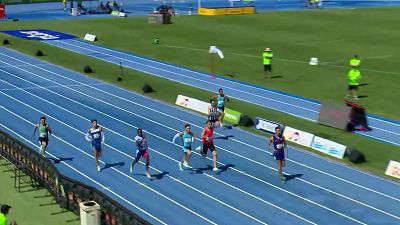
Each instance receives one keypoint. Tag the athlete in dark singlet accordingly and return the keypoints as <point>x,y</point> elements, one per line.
<point>279,150</point>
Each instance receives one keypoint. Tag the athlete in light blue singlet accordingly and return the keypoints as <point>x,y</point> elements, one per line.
<point>187,140</point>
<point>221,98</point>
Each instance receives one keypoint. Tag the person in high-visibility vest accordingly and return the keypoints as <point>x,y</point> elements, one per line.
<point>355,61</point>
<point>5,209</point>
<point>353,80</point>
<point>267,58</point>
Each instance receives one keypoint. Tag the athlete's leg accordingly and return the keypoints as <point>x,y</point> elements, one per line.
<point>204,150</point>
<point>180,163</point>
<point>188,153</point>
<point>214,154</point>
<point>96,156</point>
<point>43,146</point>
<point>221,118</point>
<point>147,158</point>
<point>279,164</point>
<point>135,160</point>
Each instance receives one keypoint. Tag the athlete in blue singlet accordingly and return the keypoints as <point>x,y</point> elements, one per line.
<point>187,140</point>
<point>221,98</point>
<point>96,137</point>
<point>279,150</point>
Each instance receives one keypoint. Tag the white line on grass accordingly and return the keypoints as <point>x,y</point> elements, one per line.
<point>363,58</point>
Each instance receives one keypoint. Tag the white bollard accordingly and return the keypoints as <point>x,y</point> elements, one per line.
<point>313,61</point>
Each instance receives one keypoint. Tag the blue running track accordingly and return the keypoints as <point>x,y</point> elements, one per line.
<point>382,129</point>
<point>245,191</point>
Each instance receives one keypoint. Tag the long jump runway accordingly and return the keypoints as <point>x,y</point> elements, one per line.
<point>245,191</point>
<point>382,129</point>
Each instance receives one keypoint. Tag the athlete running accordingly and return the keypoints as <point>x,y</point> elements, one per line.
<point>221,98</point>
<point>141,151</point>
<point>278,140</point>
<point>96,137</point>
<point>208,143</point>
<point>187,140</point>
<point>44,132</point>
<point>213,113</point>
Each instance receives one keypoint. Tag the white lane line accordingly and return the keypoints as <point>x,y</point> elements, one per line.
<point>288,96</point>
<point>87,177</point>
<point>254,147</point>
<point>23,65</point>
<point>147,108</point>
<point>185,76</point>
<point>294,161</point>
<point>147,72</point>
<point>191,71</point>
<point>221,148</point>
<point>136,181</point>
<point>225,204</point>
<point>108,129</point>
<point>51,86</point>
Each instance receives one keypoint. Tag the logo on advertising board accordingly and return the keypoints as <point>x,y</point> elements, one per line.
<point>39,34</point>
<point>266,125</point>
<point>393,169</point>
<point>298,136</point>
<point>328,147</point>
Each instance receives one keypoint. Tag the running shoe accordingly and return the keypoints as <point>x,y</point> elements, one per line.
<point>148,175</point>
<point>180,166</point>
<point>282,178</point>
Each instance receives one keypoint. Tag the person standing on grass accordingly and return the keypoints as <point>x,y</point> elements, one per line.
<point>4,210</point>
<point>355,62</point>
<point>267,57</point>
<point>353,81</point>
<point>279,142</point>
<point>187,140</point>
<point>96,137</point>
<point>221,97</point>
<point>213,113</point>
<point>208,143</point>
<point>44,132</point>
<point>141,151</point>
